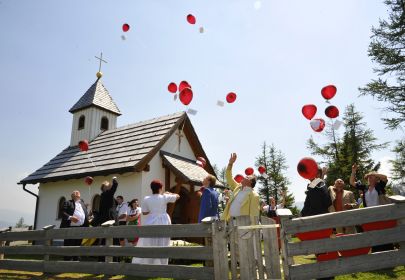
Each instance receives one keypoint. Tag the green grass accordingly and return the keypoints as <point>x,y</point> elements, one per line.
<point>22,275</point>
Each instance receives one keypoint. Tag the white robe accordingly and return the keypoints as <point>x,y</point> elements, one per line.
<point>156,205</point>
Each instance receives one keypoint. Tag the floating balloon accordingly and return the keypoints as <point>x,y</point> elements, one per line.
<point>317,125</point>
<point>220,103</point>
<point>125,27</point>
<point>238,178</point>
<point>186,95</point>
<point>172,87</point>
<point>201,162</point>
<point>309,111</point>
<point>332,112</point>
<point>337,124</point>
<point>249,171</point>
<point>191,19</point>
<point>84,145</point>
<point>183,85</point>
<point>231,97</point>
<point>328,92</point>
<point>307,168</point>
<point>261,169</point>
<point>89,180</point>
<point>192,111</point>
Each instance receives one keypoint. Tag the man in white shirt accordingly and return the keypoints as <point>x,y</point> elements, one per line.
<point>74,215</point>
<point>122,213</point>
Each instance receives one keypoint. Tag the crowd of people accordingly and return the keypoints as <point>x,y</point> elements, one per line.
<point>241,200</point>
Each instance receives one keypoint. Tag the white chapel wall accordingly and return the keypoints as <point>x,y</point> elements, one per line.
<point>50,193</point>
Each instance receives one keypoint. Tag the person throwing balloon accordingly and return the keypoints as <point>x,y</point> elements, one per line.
<point>244,201</point>
<point>318,198</point>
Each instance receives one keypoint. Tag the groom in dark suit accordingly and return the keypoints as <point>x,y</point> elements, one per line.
<point>74,215</point>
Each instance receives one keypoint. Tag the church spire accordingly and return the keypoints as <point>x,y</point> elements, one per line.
<point>95,111</point>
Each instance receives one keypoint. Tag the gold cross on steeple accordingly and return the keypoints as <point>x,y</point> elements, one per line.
<point>99,73</point>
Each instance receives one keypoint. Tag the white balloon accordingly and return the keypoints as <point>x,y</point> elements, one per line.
<point>201,29</point>
<point>220,103</point>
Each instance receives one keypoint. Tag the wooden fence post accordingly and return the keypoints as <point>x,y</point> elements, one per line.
<point>271,249</point>
<point>399,199</point>
<point>246,249</point>
<point>2,242</point>
<point>220,250</point>
<point>108,242</point>
<point>285,215</point>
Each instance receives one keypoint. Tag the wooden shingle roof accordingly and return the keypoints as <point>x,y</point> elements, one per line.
<point>97,95</point>
<point>119,150</point>
<point>187,169</point>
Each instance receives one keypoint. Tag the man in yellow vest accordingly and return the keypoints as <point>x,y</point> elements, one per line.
<point>244,200</point>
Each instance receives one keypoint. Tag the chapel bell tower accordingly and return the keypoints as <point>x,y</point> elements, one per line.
<point>94,113</point>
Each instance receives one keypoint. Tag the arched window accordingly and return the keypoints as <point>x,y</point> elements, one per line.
<point>81,122</point>
<point>104,123</point>
<point>95,204</point>
<point>60,207</point>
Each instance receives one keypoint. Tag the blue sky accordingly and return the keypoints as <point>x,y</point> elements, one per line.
<point>276,55</point>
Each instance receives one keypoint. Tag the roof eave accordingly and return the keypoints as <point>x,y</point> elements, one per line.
<point>78,175</point>
<point>94,105</point>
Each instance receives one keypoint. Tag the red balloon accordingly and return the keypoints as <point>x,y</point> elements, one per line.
<point>89,180</point>
<point>309,111</point>
<point>261,169</point>
<point>238,178</point>
<point>125,27</point>
<point>172,87</point>
<point>249,171</point>
<point>191,19</point>
<point>328,92</point>
<point>307,168</point>
<point>317,125</point>
<point>231,97</point>
<point>183,85</point>
<point>332,112</point>
<point>201,162</point>
<point>186,95</point>
<point>84,145</point>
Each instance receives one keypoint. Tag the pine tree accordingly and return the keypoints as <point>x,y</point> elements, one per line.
<point>275,182</point>
<point>20,223</point>
<point>398,164</point>
<point>387,49</point>
<point>355,146</point>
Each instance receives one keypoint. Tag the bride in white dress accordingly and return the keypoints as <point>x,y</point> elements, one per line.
<point>154,207</point>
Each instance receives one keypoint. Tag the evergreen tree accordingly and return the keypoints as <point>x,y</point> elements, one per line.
<point>387,50</point>
<point>355,146</point>
<point>20,223</point>
<point>275,182</point>
<point>398,164</point>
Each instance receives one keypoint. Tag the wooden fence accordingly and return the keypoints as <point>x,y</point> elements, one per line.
<point>391,216</point>
<point>253,254</point>
<point>215,253</point>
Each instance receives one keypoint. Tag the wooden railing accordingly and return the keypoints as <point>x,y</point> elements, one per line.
<point>344,265</point>
<point>216,253</point>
